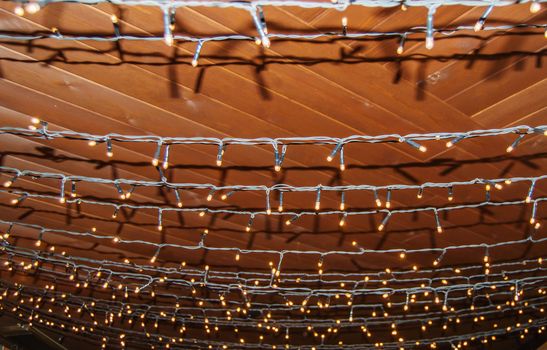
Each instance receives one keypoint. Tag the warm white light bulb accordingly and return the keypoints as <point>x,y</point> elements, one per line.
<point>19,10</point>
<point>535,7</point>
<point>429,43</point>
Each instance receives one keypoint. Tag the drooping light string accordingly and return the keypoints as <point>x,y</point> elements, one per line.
<point>438,221</point>
<point>177,196</point>
<point>120,190</point>
<point>10,182</point>
<point>414,144</point>
<point>220,153</point>
<point>165,162</point>
<point>342,200</point>
<point>515,143</point>
<point>318,198</point>
<point>401,47</point>
<point>196,53</point>
<point>268,204</point>
<point>264,40</point>
<point>530,194</point>
<point>410,139</point>
<point>109,152</point>
<point>430,30</point>
<point>62,198</point>
<point>280,205</point>
<point>167,32</point>
<point>480,23</point>
<point>262,19</point>
<point>279,157</point>
<point>116,25</point>
<point>250,223</point>
<point>156,158</point>
<point>384,222</point>
<point>455,140</point>
<point>160,224</point>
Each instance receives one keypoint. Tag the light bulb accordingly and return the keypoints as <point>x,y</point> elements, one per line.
<point>168,39</point>
<point>535,7</point>
<point>429,43</point>
<point>34,7</point>
<point>19,10</point>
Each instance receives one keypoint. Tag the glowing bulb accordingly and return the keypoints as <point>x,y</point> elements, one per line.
<point>381,227</point>
<point>168,38</point>
<point>400,50</point>
<point>439,229</point>
<point>34,7</point>
<point>155,162</point>
<point>422,149</point>
<point>378,202</point>
<point>478,26</point>
<point>219,162</point>
<point>429,43</point>
<point>535,7</point>
<point>317,205</point>
<point>344,21</point>
<point>194,63</point>
<point>8,183</point>
<point>92,143</point>
<point>19,10</point>
<point>277,167</point>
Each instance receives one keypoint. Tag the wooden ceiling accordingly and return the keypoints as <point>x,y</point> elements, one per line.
<point>294,88</point>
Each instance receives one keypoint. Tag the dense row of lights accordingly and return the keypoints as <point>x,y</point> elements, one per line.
<point>341,294</point>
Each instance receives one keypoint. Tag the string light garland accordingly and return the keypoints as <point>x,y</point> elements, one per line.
<point>160,210</point>
<point>359,251</point>
<point>15,174</point>
<point>265,306</point>
<point>255,10</point>
<point>40,129</point>
<point>90,329</point>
